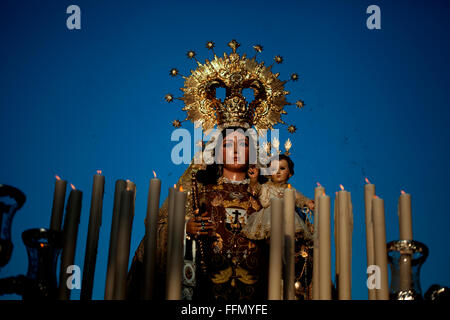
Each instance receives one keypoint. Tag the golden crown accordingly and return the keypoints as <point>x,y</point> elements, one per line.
<point>234,73</point>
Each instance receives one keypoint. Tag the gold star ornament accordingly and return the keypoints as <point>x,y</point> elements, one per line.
<point>168,97</point>
<point>278,59</point>
<point>173,72</point>
<point>176,123</point>
<point>292,128</point>
<point>258,48</point>
<point>300,104</point>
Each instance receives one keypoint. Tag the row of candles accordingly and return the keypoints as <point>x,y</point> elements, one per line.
<point>120,236</point>
<point>282,236</point>
<point>375,242</point>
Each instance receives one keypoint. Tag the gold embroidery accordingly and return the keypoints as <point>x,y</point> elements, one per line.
<point>217,201</point>
<point>223,276</point>
<point>236,203</point>
<point>243,276</point>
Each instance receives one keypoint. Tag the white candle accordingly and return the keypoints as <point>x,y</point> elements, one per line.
<point>95,221</point>
<point>405,222</point>
<point>380,247</point>
<point>405,219</point>
<point>154,192</point>
<point>369,193</point>
<point>325,248</point>
<point>276,245</point>
<point>318,191</point>
<point>345,246</point>
<point>126,217</point>
<point>289,242</point>
<point>59,198</point>
<point>175,265</point>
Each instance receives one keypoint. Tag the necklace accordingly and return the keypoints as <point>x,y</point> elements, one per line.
<point>223,180</point>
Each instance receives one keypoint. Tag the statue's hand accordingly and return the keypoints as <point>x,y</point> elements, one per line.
<point>253,174</point>
<point>200,226</point>
<point>310,205</point>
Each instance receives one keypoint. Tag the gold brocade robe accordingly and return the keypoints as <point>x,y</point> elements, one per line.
<point>236,267</point>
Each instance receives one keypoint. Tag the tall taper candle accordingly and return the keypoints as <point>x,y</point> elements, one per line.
<point>276,245</point>
<point>70,233</point>
<point>95,221</point>
<point>336,239</point>
<point>405,222</point>
<point>111,268</point>
<point>150,237</point>
<point>345,259</point>
<point>123,243</point>
<point>380,247</point>
<point>325,248</point>
<point>175,267</point>
<point>369,193</point>
<point>289,243</point>
<point>59,198</point>
<point>405,219</point>
<point>318,191</point>
<point>169,233</point>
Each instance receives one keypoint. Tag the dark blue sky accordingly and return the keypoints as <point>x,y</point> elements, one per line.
<point>377,105</point>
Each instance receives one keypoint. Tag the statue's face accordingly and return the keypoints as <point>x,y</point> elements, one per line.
<point>282,174</point>
<point>235,151</point>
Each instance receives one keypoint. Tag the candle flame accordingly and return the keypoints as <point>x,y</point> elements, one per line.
<point>367,181</point>
<point>42,245</point>
<point>402,192</point>
<point>342,187</point>
<point>131,186</point>
<point>57,177</point>
<point>99,171</point>
<point>289,186</point>
<point>181,188</point>
<point>73,187</point>
<point>318,184</point>
<point>154,173</point>
<point>175,185</point>
<point>375,197</point>
<point>324,194</point>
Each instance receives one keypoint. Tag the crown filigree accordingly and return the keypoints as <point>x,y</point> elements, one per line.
<point>234,73</point>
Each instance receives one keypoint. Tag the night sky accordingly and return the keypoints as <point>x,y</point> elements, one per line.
<point>376,105</point>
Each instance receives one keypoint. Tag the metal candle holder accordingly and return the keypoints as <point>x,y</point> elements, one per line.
<point>406,258</point>
<point>11,200</point>
<point>43,247</point>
